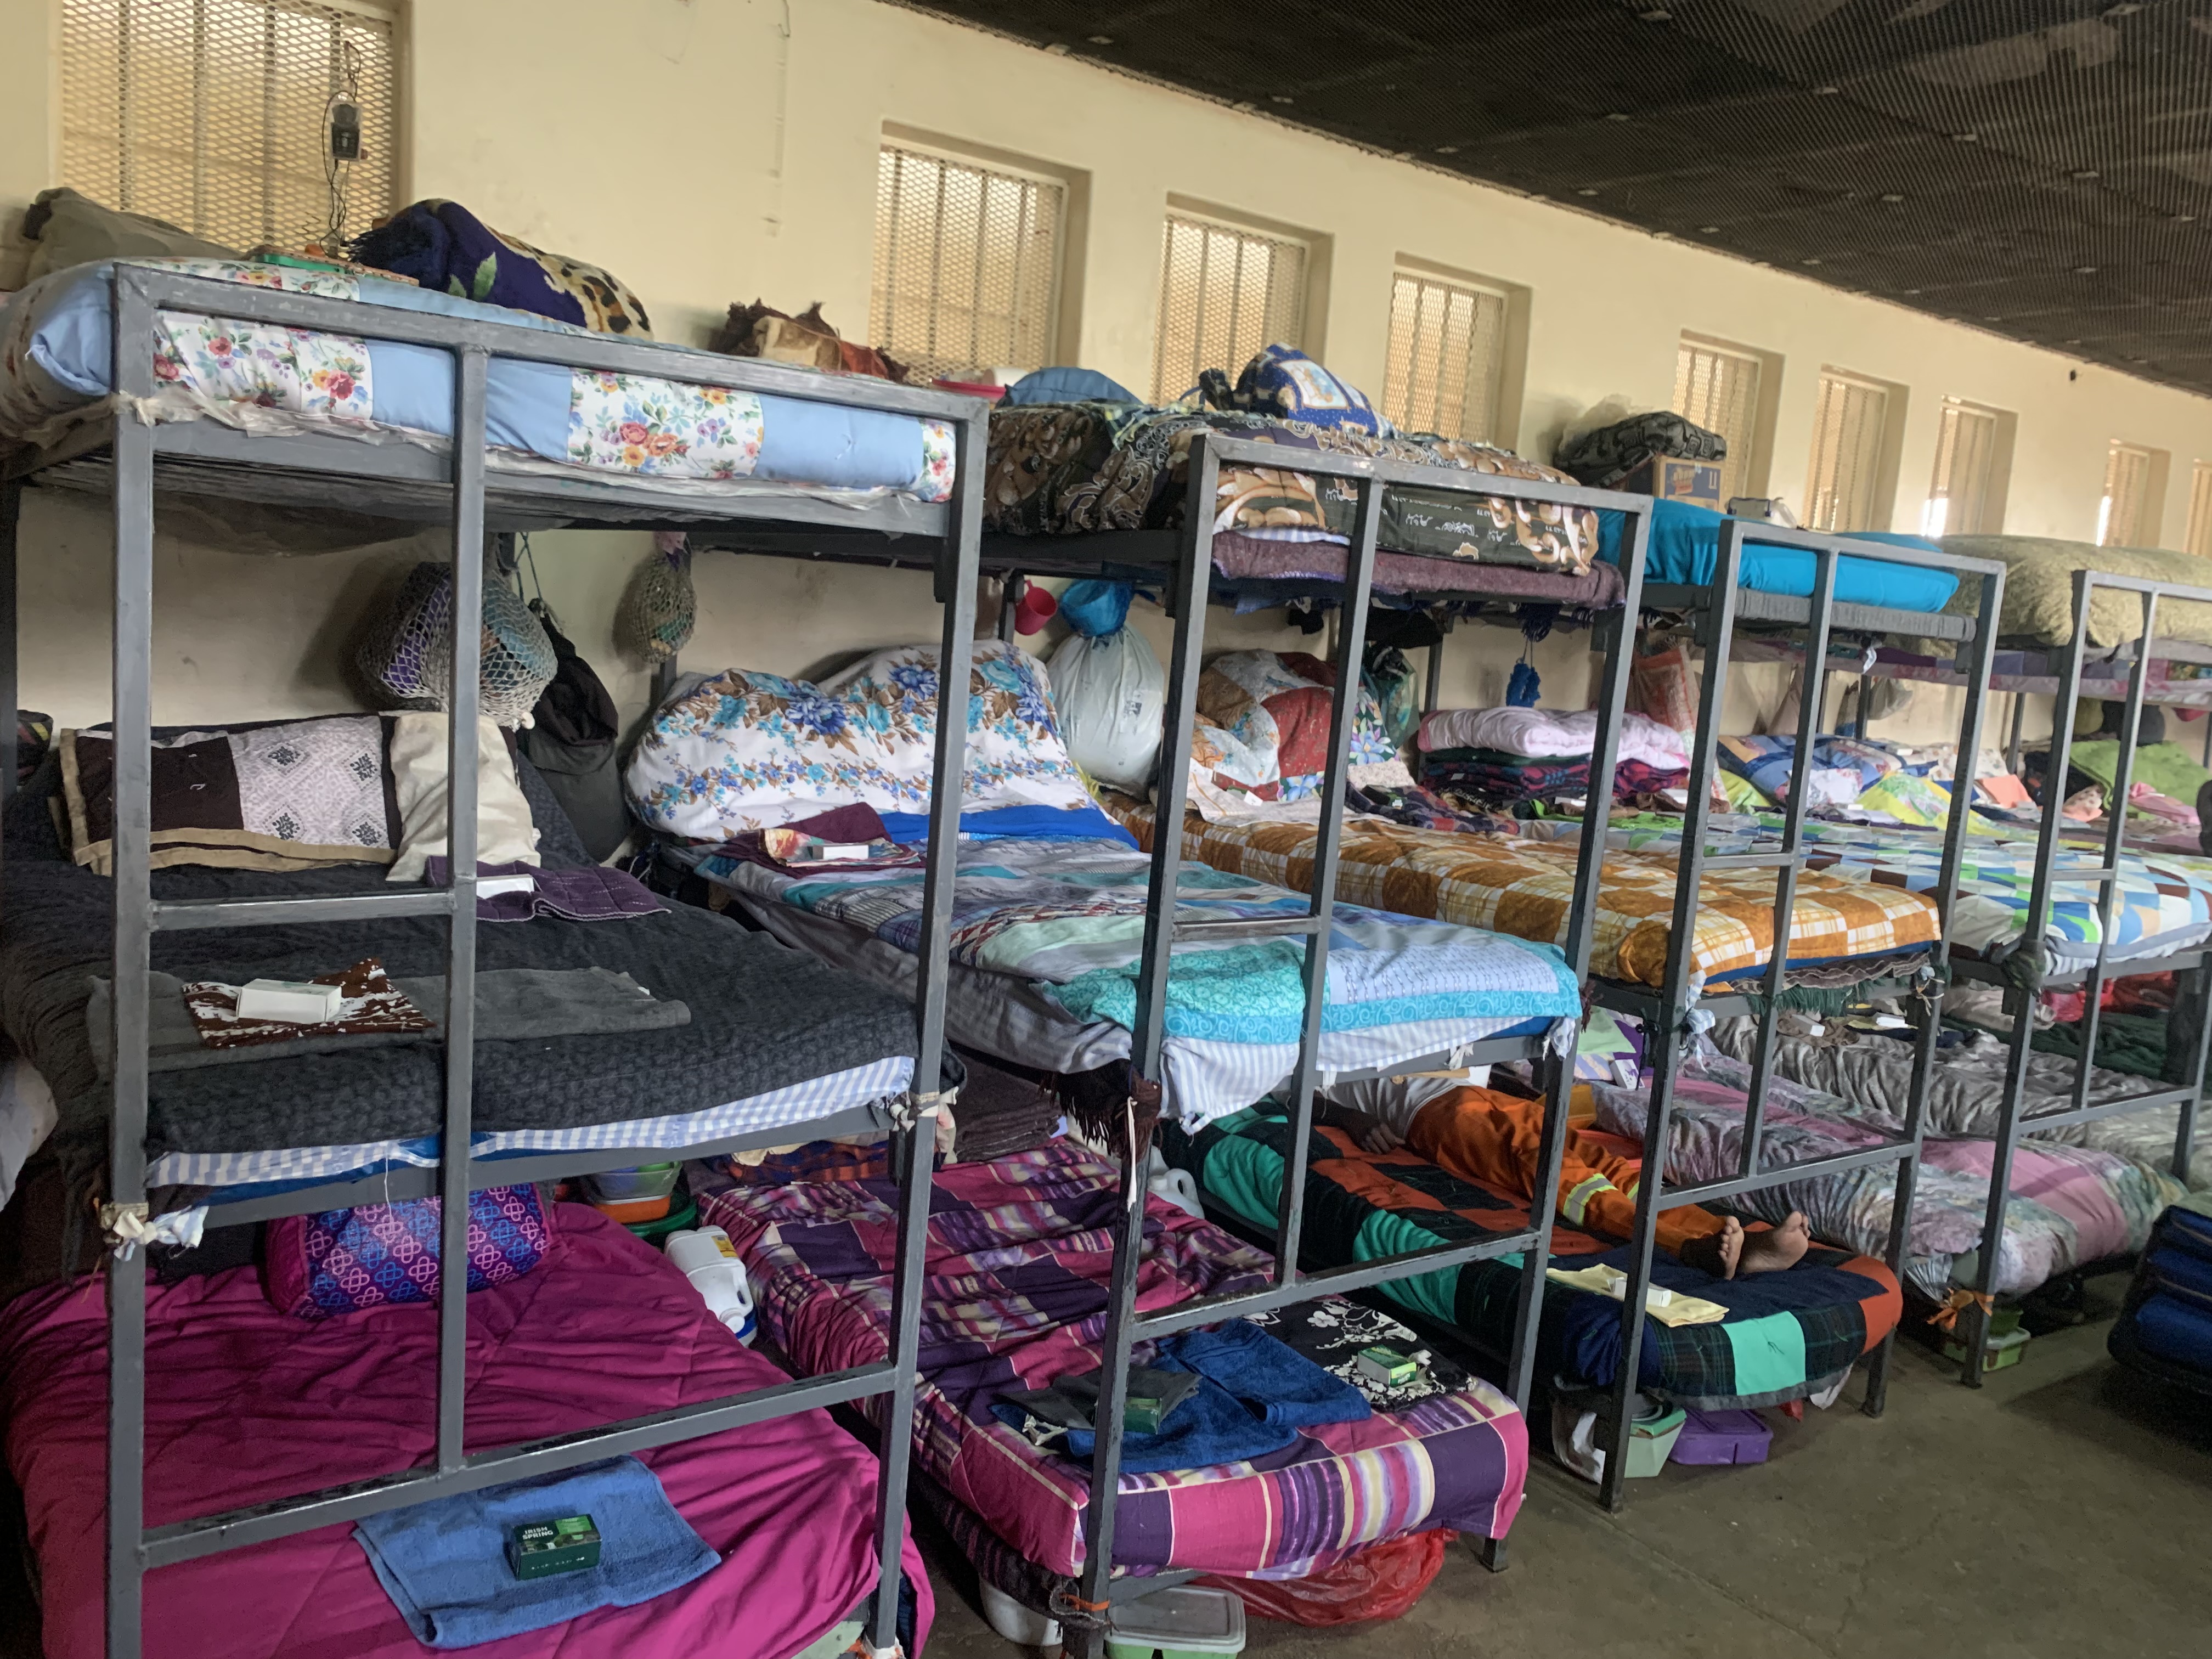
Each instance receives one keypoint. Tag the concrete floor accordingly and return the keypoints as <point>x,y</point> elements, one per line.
<point>2064,1509</point>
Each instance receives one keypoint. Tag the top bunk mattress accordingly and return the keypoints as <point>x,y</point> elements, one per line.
<point>1685,549</point>
<point>2038,596</point>
<point>57,347</point>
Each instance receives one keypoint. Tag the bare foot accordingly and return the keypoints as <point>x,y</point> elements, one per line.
<point>1777,1247</point>
<point>1716,1253</point>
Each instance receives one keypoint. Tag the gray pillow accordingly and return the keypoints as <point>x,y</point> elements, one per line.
<point>67,229</point>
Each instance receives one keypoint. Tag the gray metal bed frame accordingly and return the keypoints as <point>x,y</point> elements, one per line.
<point>1716,611</point>
<point>2015,1123</point>
<point>205,456</point>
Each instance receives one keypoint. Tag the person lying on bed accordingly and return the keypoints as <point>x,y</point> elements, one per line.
<point>1480,1134</point>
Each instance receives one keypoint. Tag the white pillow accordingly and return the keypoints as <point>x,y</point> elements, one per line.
<point>505,834</point>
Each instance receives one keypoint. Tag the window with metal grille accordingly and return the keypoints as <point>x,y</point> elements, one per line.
<point>1961,501</point>
<point>215,114</point>
<point>967,264</point>
<point>1224,293</point>
<point>1848,426</point>
<point>2120,515</point>
<point>1446,366</point>
<point>1717,388</point>
<point>2200,510</point>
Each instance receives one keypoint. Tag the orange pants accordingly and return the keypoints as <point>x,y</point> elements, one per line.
<point>1480,1134</point>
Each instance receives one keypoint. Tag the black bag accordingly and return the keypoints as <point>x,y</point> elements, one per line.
<point>572,740</point>
<point>1603,458</point>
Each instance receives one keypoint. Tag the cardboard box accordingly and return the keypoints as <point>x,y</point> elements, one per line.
<point>1673,479</point>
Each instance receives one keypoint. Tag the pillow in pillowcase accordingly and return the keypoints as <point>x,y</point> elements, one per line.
<point>505,831</point>
<point>342,1261</point>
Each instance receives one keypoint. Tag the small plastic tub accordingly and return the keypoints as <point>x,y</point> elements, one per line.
<point>1185,1622</point>
<point>1722,1436</point>
<point>1017,1623</point>
<point>625,1186</point>
<point>632,1210</point>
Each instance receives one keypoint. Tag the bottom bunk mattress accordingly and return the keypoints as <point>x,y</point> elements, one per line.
<point>2070,1205</point>
<point>1045,941</point>
<point>1786,1335</point>
<point>248,1404</point>
<point>1019,1257</point>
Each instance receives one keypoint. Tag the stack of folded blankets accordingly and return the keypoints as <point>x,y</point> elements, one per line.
<point>1504,757</point>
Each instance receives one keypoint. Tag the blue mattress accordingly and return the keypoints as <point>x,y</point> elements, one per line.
<point>67,335</point>
<point>1685,546</point>
<point>2167,1325</point>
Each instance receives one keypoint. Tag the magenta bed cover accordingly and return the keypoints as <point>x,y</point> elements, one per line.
<point>1019,1257</point>
<point>245,1404</point>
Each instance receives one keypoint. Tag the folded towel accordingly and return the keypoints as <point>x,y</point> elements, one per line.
<point>590,892</point>
<point>1267,1376</point>
<point>444,1563</point>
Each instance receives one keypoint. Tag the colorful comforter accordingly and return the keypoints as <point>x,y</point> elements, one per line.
<point>2070,1205</point>
<point>248,1404</point>
<point>1525,888</point>
<point>56,346</point>
<point>1786,1334</point>
<point>1015,1297</point>
<point>1068,468</point>
<point>2163,901</point>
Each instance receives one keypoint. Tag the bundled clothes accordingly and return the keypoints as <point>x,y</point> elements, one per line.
<point>441,244</point>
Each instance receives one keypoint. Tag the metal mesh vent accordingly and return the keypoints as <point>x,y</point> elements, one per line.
<point>1847,433</point>
<point>1447,357</point>
<point>1958,501</point>
<point>2127,490</point>
<point>967,265</point>
<point>213,114</point>
<point>1718,390</point>
<point>2200,510</point>
<point>1224,293</point>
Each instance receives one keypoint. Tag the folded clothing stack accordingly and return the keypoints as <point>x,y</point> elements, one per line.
<point>1510,756</point>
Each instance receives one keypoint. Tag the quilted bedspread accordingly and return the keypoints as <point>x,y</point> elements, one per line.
<point>1526,888</point>
<point>1019,1257</point>
<point>2039,592</point>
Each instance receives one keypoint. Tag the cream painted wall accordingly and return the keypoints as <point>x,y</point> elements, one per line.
<point>711,151</point>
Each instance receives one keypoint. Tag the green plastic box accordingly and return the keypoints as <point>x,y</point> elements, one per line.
<point>540,1547</point>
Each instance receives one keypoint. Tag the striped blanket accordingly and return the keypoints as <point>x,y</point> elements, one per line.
<point>1786,1333</point>
<point>1526,887</point>
<point>1020,1256</point>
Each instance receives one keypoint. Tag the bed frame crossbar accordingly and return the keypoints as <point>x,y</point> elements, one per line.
<point>136,447</point>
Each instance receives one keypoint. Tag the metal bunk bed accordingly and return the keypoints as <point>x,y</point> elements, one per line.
<point>1716,611</point>
<point>2015,1123</point>
<point>130,461</point>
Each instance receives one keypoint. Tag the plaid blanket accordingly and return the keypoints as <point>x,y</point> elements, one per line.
<point>1019,1258</point>
<point>1785,1335</point>
<point>1526,887</point>
<point>2163,901</point>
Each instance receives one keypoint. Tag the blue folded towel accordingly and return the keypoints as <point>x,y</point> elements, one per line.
<point>1269,1378</point>
<point>444,1563</point>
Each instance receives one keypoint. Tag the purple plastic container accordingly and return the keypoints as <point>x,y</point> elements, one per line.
<point>1724,1436</point>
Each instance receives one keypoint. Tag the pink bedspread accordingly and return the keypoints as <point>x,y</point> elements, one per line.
<point>245,1405</point>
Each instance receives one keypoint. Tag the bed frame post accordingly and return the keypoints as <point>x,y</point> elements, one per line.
<point>1974,1321</point>
<point>1664,1044</point>
<point>1148,1040</point>
<point>11,517</point>
<point>471,367</point>
<point>1432,682</point>
<point>133,736</point>
<point>915,1145</point>
<point>1930,1014</point>
<point>1010,595</point>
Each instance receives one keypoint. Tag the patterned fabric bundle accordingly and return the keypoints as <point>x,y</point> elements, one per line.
<point>1784,1335</point>
<point>1263,728</point>
<point>1017,1298</point>
<point>342,1261</point>
<point>407,655</point>
<point>1283,381</point>
<point>1769,762</point>
<point>372,1006</point>
<point>443,246</point>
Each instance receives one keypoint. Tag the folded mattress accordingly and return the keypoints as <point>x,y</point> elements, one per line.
<point>248,1404</point>
<point>1526,888</point>
<point>1686,546</point>
<point>56,343</point>
<point>1060,924</point>
<point>1018,1266</point>
<point>2070,1205</point>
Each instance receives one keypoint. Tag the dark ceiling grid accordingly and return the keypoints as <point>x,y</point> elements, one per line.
<point>2041,169</point>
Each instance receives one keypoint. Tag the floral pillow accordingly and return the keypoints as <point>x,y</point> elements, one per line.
<point>755,751</point>
<point>1263,729</point>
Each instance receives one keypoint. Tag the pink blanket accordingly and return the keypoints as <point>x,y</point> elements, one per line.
<point>245,1405</point>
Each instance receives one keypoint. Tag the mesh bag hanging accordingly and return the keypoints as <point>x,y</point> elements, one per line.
<point>407,653</point>
<point>659,607</point>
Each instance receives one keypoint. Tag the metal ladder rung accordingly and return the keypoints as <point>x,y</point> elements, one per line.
<point>2109,874</point>
<point>1755,861</point>
<point>1248,927</point>
<point>175,915</point>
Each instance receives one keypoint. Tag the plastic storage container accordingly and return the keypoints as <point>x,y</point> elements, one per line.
<point>629,1185</point>
<point>710,1261</point>
<point>1016,1622</point>
<point>1183,1623</point>
<point>1722,1436</point>
<point>1651,1440</point>
<point>1998,1352</point>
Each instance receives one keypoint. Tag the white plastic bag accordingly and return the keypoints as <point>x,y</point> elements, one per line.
<point>1110,693</point>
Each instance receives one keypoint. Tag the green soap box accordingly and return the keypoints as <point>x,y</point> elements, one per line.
<point>1387,1365</point>
<point>539,1548</point>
